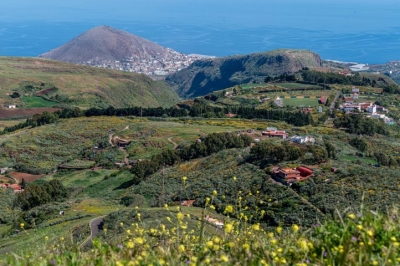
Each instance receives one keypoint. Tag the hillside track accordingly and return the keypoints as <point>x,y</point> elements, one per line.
<point>94,229</point>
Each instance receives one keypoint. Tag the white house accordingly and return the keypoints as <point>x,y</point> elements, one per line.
<point>351,107</point>
<point>302,139</point>
<point>355,90</point>
<point>372,109</point>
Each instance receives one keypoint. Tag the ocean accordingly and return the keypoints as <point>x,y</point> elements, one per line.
<point>360,31</point>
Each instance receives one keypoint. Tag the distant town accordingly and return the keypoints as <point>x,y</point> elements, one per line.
<point>162,65</point>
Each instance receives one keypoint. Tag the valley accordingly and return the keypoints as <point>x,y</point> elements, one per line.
<point>213,177</point>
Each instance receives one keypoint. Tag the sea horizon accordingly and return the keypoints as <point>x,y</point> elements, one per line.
<point>350,32</point>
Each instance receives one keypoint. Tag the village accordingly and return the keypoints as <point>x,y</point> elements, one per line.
<point>157,66</point>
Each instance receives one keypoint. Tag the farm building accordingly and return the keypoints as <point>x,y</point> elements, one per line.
<point>351,107</point>
<point>187,203</point>
<point>322,100</point>
<point>273,132</point>
<point>348,99</point>
<point>17,188</point>
<point>291,175</point>
<point>214,221</point>
<point>11,106</point>
<point>3,170</point>
<point>302,139</point>
<point>230,115</point>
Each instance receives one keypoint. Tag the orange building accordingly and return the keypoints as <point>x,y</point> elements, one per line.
<point>292,175</point>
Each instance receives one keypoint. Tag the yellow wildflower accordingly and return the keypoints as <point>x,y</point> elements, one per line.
<point>295,227</point>
<point>229,209</point>
<point>130,244</point>
<point>256,227</point>
<point>139,240</point>
<point>351,216</point>
<point>224,258</point>
<point>228,227</point>
<point>179,215</point>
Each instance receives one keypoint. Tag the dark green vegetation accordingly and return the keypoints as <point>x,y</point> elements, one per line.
<point>112,160</point>
<point>71,85</point>
<point>205,76</point>
<point>196,110</point>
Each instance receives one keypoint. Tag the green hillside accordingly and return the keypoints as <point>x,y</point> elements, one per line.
<point>205,76</point>
<point>133,172</point>
<point>63,84</point>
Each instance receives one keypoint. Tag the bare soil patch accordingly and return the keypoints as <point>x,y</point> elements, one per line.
<point>28,177</point>
<point>44,92</point>
<point>19,113</point>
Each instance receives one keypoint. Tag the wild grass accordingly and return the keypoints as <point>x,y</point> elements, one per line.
<point>32,102</point>
<point>85,86</point>
<point>355,237</point>
<point>300,102</point>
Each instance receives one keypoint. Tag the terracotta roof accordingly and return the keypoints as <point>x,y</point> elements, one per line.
<point>187,203</point>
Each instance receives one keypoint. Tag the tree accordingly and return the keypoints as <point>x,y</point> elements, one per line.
<point>319,153</point>
<point>15,95</point>
<point>330,149</point>
<point>359,143</point>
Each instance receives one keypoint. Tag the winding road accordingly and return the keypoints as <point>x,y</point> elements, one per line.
<point>94,226</point>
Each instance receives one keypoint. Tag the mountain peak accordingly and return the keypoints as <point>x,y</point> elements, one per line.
<point>105,43</point>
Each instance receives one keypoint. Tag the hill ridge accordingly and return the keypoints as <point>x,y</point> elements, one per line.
<point>205,76</point>
<point>104,43</point>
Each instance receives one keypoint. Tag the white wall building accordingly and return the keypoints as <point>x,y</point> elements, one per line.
<point>302,139</point>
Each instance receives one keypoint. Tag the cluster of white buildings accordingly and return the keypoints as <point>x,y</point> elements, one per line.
<point>351,104</point>
<point>160,65</point>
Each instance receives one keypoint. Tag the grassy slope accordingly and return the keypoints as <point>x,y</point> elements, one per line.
<point>86,86</point>
<point>44,148</point>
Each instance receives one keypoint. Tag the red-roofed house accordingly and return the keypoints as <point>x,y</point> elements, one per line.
<point>187,203</point>
<point>322,100</point>
<point>273,132</point>
<point>230,115</point>
<point>292,175</point>
<point>17,188</point>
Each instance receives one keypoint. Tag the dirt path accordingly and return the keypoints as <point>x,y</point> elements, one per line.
<point>175,145</point>
<point>110,139</point>
<point>126,160</point>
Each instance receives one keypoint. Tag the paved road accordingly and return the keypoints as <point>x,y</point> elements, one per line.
<point>94,226</point>
<point>332,107</point>
<point>94,229</point>
<point>338,93</point>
